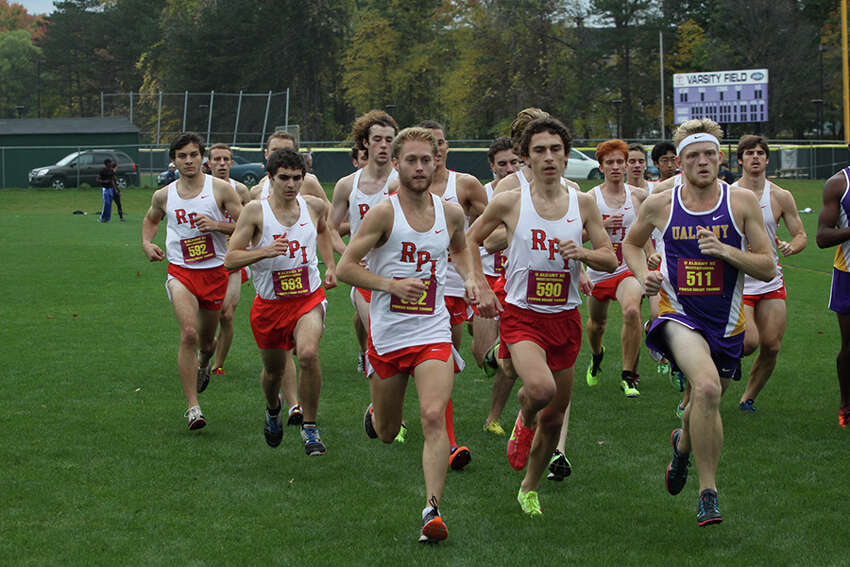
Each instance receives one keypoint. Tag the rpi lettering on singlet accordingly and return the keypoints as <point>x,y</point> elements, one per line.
<point>539,242</point>
<point>364,208</point>
<point>420,258</point>
<point>182,217</point>
<point>690,232</point>
<point>613,231</point>
<point>294,246</point>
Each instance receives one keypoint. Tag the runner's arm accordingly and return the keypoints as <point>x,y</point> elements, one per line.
<point>150,226</point>
<point>828,235</point>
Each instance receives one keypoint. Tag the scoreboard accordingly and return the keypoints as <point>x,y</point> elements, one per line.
<point>724,96</point>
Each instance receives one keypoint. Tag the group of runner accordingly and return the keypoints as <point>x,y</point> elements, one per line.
<point>431,249</point>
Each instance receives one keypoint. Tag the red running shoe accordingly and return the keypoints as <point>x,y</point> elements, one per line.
<point>519,445</point>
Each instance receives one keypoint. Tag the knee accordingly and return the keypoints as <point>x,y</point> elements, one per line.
<point>538,394</point>
<point>433,418</point>
<point>308,356</point>
<point>771,348</point>
<point>189,337</point>
<point>631,315</point>
<point>226,317</point>
<point>707,391</point>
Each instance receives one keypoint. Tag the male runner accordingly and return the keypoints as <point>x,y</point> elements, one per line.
<point>834,230</point>
<point>468,192</point>
<point>357,192</point>
<point>503,162</point>
<point>636,168</point>
<point>194,207</point>
<point>541,326</point>
<point>289,308</point>
<point>664,157</point>
<point>764,303</point>
<point>309,186</point>
<point>407,237</point>
<point>221,161</point>
<point>705,228</point>
<point>618,203</point>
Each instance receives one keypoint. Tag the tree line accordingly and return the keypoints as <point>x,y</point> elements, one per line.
<point>469,63</point>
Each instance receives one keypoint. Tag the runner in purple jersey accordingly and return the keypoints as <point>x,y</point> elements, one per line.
<point>700,326</point>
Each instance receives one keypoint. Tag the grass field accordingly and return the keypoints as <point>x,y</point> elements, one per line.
<point>98,467</point>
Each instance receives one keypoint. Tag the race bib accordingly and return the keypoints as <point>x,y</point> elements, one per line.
<point>198,248</point>
<point>618,251</point>
<point>291,283</point>
<point>422,306</point>
<point>499,262</point>
<point>699,276</point>
<point>547,288</point>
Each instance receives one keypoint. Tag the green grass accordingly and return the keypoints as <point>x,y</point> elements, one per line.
<point>98,467</point>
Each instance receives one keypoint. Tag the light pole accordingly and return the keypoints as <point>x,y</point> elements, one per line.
<point>617,102</point>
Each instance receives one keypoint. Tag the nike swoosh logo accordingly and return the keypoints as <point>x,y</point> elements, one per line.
<point>570,220</point>
<point>764,206</point>
<point>626,208</point>
<point>203,196</point>
<point>302,224</point>
<point>718,217</point>
<point>439,231</point>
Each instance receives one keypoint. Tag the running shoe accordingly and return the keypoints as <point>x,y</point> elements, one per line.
<point>677,380</point>
<point>273,429</point>
<point>313,445</point>
<point>595,368</point>
<point>748,406</point>
<point>679,411</point>
<point>519,445</point>
<point>559,467</point>
<point>677,471</point>
<point>629,388</point>
<point>367,423</point>
<point>844,417</point>
<point>529,503</point>
<point>203,378</point>
<point>494,427</point>
<point>433,530</point>
<point>296,415</point>
<point>218,371</point>
<point>401,437</point>
<point>707,512</point>
<point>195,418</point>
<point>490,364</point>
<point>459,458</point>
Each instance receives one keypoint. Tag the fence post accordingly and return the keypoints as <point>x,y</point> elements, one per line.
<point>101,105</point>
<point>3,157</point>
<point>158,117</point>
<point>185,106</point>
<point>131,107</point>
<point>236,126</point>
<point>286,118</point>
<point>265,120</point>
<point>209,119</point>
<point>79,149</point>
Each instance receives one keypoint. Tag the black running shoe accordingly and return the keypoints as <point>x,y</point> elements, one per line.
<point>559,467</point>
<point>313,445</point>
<point>677,471</point>
<point>707,512</point>
<point>273,428</point>
<point>203,378</point>
<point>490,365</point>
<point>367,424</point>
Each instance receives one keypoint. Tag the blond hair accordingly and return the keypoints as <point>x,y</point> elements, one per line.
<point>414,134</point>
<point>696,126</point>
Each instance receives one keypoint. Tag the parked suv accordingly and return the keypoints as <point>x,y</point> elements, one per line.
<point>84,166</point>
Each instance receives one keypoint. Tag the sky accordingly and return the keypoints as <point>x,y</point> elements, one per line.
<point>36,6</point>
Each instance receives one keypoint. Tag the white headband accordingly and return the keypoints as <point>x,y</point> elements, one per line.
<point>694,138</point>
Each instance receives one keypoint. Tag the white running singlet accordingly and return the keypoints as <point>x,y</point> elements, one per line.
<point>185,245</point>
